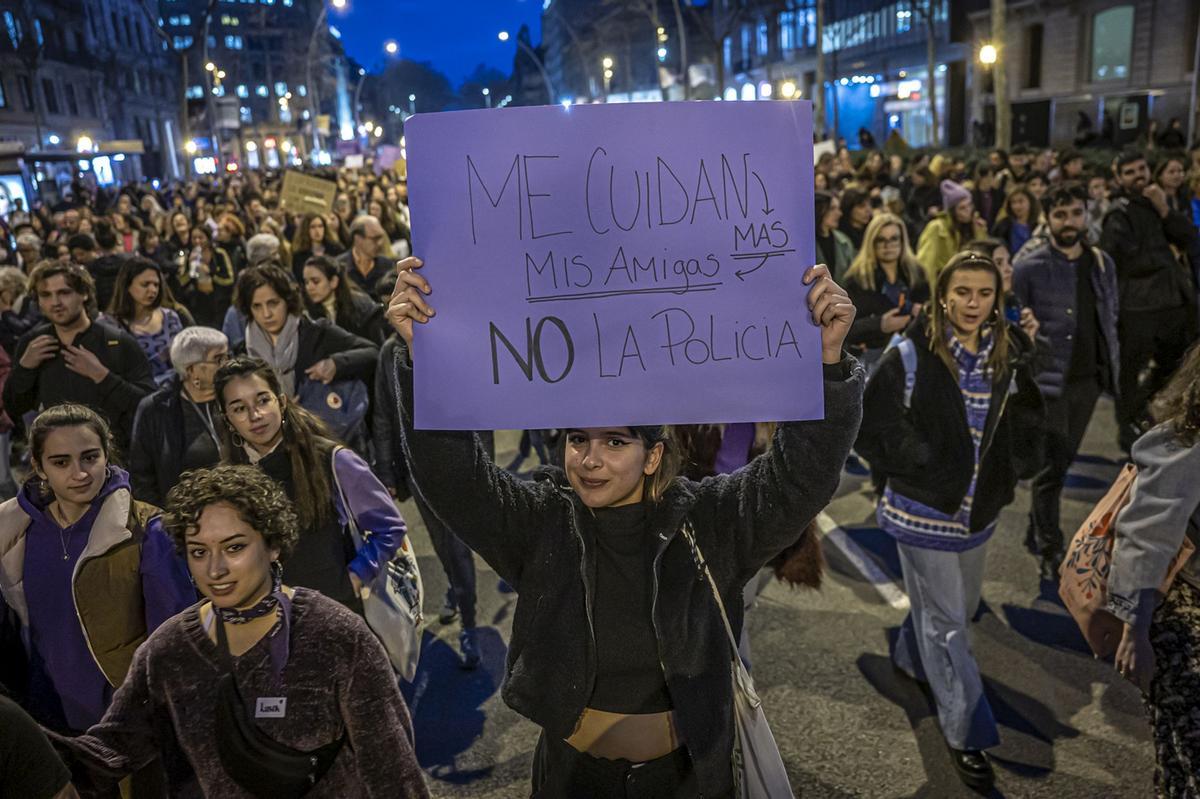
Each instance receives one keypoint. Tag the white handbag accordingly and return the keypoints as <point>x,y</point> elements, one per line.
<point>392,601</point>
<point>758,770</point>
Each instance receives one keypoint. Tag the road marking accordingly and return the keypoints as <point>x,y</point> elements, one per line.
<point>866,565</point>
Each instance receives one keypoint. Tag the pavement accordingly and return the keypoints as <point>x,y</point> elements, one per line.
<point>847,724</point>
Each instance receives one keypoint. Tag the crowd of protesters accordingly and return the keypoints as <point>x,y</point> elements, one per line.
<point>203,389</point>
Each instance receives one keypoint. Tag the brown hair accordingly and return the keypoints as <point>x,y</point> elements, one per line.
<point>1035,207</point>
<point>1178,404</point>
<point>669,466</point>
<point>258,500</point>
<point>308,442</point>
<point>76,276</point>
<point>121,307</point>
<point>938,320</point>
<point>302,240</point>
<point>68,414</point>
<point>268,274</point>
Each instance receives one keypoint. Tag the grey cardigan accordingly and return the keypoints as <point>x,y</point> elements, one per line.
<point>1164,506</point>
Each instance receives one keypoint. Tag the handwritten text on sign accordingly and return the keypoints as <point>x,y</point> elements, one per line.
<point>617,264</point>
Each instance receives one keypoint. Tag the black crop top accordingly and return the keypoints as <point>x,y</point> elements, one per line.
<point>629,676</point>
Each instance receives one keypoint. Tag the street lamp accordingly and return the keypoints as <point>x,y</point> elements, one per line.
<point>487,96</point>
<point>788,89</point>
<point>391,48</point>
<point>987,54</point>
<point>84,144</point>
<point>210,67</point>
<point>190,147</point>
<point>537,62</point>
<point>607,63</point>
<point>310,87</point>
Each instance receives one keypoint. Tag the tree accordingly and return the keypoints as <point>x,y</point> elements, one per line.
<point>649,10</point>
<point>715,23</point>
<point>199,31</point>
<point>404,78</point>
<point>1000,77</point>
<point>926,10</point>
<point>471,94</point>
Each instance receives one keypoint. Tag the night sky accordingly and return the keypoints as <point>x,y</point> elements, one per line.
<point>455,35</point>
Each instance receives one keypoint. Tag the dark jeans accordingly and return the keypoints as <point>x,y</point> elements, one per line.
<point>456,558</point>
<point>562,772</point>
<point>1067,418</point>
<point>1161,336</point>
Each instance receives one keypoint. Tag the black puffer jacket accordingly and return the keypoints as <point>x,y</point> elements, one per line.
<point>926,452</point>
<point>1150,276</point>
<point>533,536</point>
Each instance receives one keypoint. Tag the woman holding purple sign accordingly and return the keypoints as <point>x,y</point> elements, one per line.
<point>618,650</point>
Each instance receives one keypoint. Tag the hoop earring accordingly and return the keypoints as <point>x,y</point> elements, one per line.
<point>237,440</point>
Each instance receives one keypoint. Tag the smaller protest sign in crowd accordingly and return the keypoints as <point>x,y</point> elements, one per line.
<point>218,394</point>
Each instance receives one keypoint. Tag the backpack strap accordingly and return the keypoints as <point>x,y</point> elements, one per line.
<point>908,356</point>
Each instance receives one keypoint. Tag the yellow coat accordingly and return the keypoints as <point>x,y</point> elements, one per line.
<point>939,243</point>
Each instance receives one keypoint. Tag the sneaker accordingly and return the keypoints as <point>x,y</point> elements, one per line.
<point>469,648</point>
<point>449,611</point>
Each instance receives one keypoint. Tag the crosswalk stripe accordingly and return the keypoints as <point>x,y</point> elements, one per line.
<point>862,560</point>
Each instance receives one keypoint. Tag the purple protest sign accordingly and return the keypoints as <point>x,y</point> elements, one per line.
<point>615,265</point>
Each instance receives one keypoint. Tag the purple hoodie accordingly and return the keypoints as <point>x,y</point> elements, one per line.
<point>67,690</point>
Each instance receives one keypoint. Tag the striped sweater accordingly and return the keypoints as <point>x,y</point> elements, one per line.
<point>918,525</point>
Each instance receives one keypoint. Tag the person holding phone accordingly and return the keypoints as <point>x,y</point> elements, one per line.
<point>887,286</point>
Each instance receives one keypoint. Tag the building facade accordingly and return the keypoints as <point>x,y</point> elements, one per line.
<point>1093,71</point>
<point>876,58</point>
<point>78,72</point>
<point>262,78</point>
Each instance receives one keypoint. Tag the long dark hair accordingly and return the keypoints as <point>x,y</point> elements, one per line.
<point>343,295</point>
<point>822,200</point>
<point>1178,404</point>
<point>308,442</point>
<point>122,307</point>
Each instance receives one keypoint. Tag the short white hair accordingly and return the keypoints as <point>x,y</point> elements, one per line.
<point>192,345</point>
<point>262,247</point>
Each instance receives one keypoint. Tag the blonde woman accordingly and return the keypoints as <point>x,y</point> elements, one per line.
<point>887,286</point>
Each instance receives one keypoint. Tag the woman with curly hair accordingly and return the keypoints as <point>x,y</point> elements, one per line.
<point>255,666</point>
<point>1160,644</point>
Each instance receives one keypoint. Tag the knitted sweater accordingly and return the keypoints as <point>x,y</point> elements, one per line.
<point>336,679</point>
<point>916,524</point>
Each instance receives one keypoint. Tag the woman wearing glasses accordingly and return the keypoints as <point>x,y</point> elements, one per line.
<point>887,286</point>
<point>175,430</point>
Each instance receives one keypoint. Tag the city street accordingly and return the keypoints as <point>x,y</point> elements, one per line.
<point>847,724</point>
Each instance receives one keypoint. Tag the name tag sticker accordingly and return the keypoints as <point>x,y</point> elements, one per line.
<point>270,707</point>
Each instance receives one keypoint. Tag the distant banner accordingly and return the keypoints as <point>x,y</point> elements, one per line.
<point>305,194</point>
<point>615,265</point>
